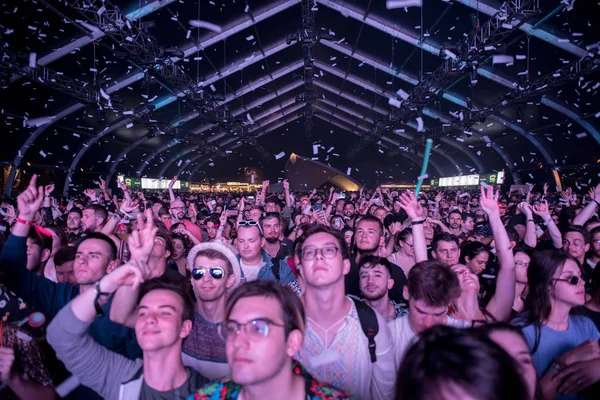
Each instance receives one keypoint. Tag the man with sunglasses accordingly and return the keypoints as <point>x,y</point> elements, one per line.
<point>576,242</point>
<point>336,349</point>
<point>215,272</point>
<point>263,329</point>
<point>255,263</point>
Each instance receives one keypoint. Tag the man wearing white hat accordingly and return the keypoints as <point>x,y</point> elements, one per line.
<point>215,271</point>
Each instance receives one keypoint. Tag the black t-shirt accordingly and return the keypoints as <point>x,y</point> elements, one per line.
<point>395,293</point>
<point>191,385</point>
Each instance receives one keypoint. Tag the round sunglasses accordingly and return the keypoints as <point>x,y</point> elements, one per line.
<point>215,272</point>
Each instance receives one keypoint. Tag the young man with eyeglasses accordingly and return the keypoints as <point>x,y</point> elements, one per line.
<point>255,263</point>
<point>163,319</point>
<point>335,349</point>
<point>215,272</point>
<point>264,328</point>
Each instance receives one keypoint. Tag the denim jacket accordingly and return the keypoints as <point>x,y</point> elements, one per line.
<point>266,272</point>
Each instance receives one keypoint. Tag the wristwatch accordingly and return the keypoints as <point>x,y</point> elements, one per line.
<point>97,305</point>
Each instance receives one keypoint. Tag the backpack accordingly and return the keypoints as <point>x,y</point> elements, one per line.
<point>366,316</point>
<point>369,325</point>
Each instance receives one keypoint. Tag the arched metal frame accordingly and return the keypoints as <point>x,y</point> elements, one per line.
<point>335,121</point>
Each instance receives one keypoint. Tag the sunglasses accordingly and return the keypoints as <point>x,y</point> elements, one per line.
<point>215,272</point>
<point>250,222</point>
<point>572,280</point>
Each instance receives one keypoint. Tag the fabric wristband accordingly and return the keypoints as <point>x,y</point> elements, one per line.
<point>23,221</point>
<point>413,223</point>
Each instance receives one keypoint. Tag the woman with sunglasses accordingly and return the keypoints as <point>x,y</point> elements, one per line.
<point>564,347</point>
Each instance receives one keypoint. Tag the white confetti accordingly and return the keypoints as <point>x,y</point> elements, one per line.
<point>129,125</point>
<point>420,124</point>
<point>581,135</point>
<point>349,170</point>
<point>32,60</point>
<point>394,102</point>
<point>107,158</point>
<point>249,38</point>
<point>43,154</point>
<point>403,95</point>
<point>196,23</point>
<point>315,149</point>
<point>391,4</point>
<point>502,59</point>
<point>249,118</point>
<point>279,155</point>
<point>422,177</point>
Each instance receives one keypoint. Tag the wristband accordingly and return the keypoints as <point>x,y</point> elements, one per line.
<point>413,223</point>
<point>530,220</point>
<point>23,221</point>
<point>597,202</point>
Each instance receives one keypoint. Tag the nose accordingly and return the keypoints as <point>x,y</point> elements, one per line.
<point>240,339</point>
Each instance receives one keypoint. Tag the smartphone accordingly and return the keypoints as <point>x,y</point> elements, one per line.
<point>250,197</point>
<point>213,202</point>
<point>342,195</point>
<point>376,200</point>
<point>232,213</point>
<point>306,210</point>
<point>319,207</point>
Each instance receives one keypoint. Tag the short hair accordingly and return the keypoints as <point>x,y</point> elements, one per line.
<point>268,216</point>
<point>371,218</point>
<point>455,211</point>
<point>257,227</point>
<point>594,231</point>
<point>164,233</point>
<point>112,255</point>
<point>313,230</point>
<point>75,210</point>
<point>214,255</point>
<point>99,211</point>
<point>273,199</point>
<point>163,211</point>
<point>175,285</point>
<point>292,311</point>
<point>371,261</point>
<point>579,229</point>
<point>65,255</point>
<point>513,235</point>
<point>212,218</point>
<point>443,237</point>
<point>434,283</point>
<point>444,356</point>
<point>39,239</point>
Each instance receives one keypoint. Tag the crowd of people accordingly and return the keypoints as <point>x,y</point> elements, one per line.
<point>372,295</point>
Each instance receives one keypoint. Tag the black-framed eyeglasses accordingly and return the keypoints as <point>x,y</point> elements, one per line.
<point>255,329</point>
<point>250,222</point>
<point>410,246</point>
<point>177,208</point>
<point>572,280</point>
<point>215,272</point>
<point>310,253</point>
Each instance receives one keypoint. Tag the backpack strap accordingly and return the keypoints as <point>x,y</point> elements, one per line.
<point>275,267</point>
<point>369,324</point>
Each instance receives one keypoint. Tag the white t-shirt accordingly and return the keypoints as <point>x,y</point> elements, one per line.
<point>403,337</point>
<point>251,272</point>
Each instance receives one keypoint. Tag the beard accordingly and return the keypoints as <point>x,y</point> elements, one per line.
<point>272,240</point>
<point>376,295</point>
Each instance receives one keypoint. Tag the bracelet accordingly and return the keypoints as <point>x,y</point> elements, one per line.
<point>413,223</point>
<point>530,220</point>
<point>25,222</point>
<point>597,202</point>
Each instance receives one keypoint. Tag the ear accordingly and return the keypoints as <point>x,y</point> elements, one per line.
<point>186,328</point>
<point>390,284</point>
<point>346,269</point>
<point>587,247</point>
<point>167,254</point>
<point>45,256</point>
<point>405,293</point>
<point>467,259</point>
<point>382,240</point>
<point>433,254</point>
<point>112,265</point>
<point>230,281</point>
<point>294,342</point>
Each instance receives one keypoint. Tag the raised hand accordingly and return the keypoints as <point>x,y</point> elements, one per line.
<point>90,193</point>
<point>122,185</point>
<point>172,182</point>
<point>409,203</point>
<point>545,189</point>
<point>525,208</point>
<point>129,206</point>
<point>223,219</point>
<point>102,184</point>
<point>542,210</point>
<point>488,201</point>
<point>141,241</point>
<point>131,274</point>
<point>595,193</point>
<point>395,227</point>
<point>286,185</point>
<point>192,211</point>
<point>48,189</point>
<point>30,201</point>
